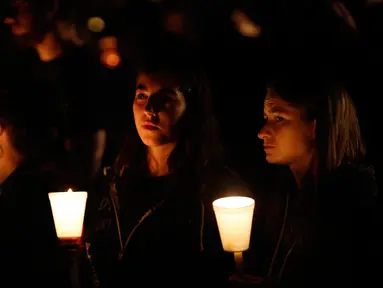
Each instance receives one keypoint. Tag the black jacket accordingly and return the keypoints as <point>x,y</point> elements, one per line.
<point>29,250</point>
<point>160,231</point>
<point>321,237</point>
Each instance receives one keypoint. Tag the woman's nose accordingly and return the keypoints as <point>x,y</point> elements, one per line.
<point>149,108</point>
<point>155,104</point>
<point>264,133</point>
<point>150,112</point>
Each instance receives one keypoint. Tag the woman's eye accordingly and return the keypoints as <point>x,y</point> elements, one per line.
<point>141,96</point>
<point>279,118</point>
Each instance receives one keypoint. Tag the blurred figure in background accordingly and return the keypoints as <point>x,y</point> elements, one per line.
<point>73,110</point>
<point>29,246</point>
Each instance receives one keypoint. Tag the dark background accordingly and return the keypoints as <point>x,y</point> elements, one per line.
<point>305,34</point>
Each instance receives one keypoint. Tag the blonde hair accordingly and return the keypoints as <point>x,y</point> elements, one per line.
<point>345,141</point>
<point>338,135</point>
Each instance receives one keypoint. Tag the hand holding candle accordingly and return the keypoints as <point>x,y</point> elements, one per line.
<point>68,210</point>
<point>234,218</point>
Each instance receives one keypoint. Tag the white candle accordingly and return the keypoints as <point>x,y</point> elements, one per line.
<point>68,210</point>
<point>234,218</point>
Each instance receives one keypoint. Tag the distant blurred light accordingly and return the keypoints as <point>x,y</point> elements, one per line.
<point>108,42</point>
<point>110,59</point>
<point>110,56</point>
<point>96,24</point>
<point>245,26</point>
<point>9,21</point>
<point>68,31</point>
<point>175,22</point>
<point>341,10</point>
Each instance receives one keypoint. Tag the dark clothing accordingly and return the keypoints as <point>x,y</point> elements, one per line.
<point>75,113</point>
<point>168,231</point>
<point>316,238</point>
<point>64,95</point>
<point>29,248</point>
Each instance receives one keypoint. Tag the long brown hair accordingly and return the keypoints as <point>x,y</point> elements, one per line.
<point>338,134</point>
<point>345,143</point>
<point>197,129</point>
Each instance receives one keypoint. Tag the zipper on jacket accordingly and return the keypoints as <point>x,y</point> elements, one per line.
<point>123,246</point>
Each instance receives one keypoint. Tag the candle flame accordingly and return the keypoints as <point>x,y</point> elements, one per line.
<point>234,202</point>
<point>70,190</point>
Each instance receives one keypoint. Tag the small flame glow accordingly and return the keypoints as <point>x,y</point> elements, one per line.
<point>233,202</point>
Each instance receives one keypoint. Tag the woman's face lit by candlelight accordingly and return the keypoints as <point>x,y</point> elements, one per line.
<point>287,136</point>
<point>157,108</point>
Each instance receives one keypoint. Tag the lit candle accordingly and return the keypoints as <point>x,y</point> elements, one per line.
<point>234,217</point>
<point>68,210</point>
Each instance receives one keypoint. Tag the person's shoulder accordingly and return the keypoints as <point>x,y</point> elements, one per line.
<point>361,174</point>
<point>30,173</point>
<point>355,180</point>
